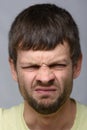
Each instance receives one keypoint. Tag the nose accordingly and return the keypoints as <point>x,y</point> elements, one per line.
<point>45,75</point>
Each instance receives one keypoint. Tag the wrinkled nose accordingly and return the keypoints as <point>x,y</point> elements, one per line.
<point>45,75</point>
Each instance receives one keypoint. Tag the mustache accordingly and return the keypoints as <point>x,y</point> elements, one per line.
<point>48,83</point>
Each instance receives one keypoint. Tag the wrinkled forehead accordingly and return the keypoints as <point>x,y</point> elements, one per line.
<point>61,52</point>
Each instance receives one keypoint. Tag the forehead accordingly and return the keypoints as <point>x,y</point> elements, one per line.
<point>62,51</point>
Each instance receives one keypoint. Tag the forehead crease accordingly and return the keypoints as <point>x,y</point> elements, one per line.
<point>61,51</point>
<point>43,57</point>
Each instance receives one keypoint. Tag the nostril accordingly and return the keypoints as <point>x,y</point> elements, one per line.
<point>45,83</point>
<point>51,82</point>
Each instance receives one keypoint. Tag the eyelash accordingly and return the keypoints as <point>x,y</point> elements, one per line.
<point>27,67</point>
<point>54,66</point>
<point>58,66</point>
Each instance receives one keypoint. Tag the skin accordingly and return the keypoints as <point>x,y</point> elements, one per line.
<point>47,78</point>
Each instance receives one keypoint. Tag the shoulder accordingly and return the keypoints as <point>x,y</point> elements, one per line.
<point>80,122</point>
<point>82,113</point>
<point>8,117</point>
<point>81,117</point>
<point>11,112</point>
<point>81,109</point>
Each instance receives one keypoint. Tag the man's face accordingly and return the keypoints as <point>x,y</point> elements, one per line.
<point>45,78</point>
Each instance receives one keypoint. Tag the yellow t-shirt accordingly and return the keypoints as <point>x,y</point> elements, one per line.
<point>12,119</point>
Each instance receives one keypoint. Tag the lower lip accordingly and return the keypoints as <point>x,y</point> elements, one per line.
<point>45,92</point>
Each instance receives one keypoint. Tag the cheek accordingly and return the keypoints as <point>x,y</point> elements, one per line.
<point>64,77</point>
<point>63,74</point>
<point>26,79</point>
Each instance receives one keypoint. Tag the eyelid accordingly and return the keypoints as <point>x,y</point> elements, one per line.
<point>30,66</point>
<point>58,64</point>
<point>51,66</point>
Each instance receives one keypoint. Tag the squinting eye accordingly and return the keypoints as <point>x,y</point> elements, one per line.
<point>31,68</point>
<point>58,66</point>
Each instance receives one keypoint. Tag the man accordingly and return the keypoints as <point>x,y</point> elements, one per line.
<point>45,56</point>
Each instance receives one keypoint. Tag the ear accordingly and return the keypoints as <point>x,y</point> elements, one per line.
<point>77,67</point>
<point>13,69</point>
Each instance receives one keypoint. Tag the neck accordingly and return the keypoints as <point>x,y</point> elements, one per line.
<point>57,121</point>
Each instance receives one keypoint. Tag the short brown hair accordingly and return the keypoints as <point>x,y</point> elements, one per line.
<point>43,27</point>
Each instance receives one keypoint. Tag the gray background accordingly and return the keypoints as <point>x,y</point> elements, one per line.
<point>9,93</point>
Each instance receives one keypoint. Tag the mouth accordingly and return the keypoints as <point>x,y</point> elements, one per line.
<point>45,91</point>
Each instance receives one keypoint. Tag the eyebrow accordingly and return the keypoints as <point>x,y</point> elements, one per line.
<point>50,63</point>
